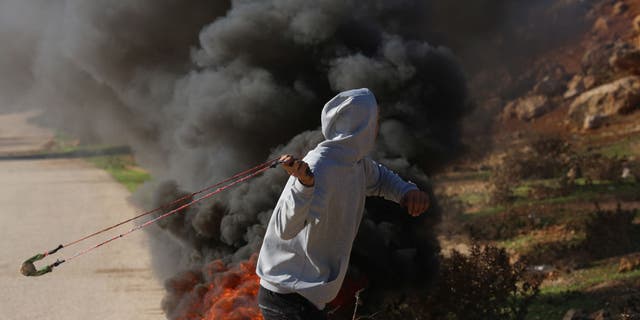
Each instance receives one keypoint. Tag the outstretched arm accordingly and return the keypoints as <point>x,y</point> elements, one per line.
<point>383,182</point>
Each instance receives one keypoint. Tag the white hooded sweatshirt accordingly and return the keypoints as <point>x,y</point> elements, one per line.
<point>308,241</point>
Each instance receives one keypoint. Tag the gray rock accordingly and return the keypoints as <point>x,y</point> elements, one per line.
<point>574,314</point>
<point>626,58</point>
<point>573,173</point>
<point>588,81</point>
<point>578,84</point>
<point>636,23</point>
<point>629,263</point>
<point>619,8</point>
<point>601,25</point>
<point>593,121</point>
<point>618,97</point>
<point>626,173</point>
<point>595,61</point>
<point>574,87</point>
<point>601,314</point>
<point>527,108</point>
<point>549,86</point>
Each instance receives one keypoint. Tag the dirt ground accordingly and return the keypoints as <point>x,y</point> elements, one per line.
<point>47,202</point>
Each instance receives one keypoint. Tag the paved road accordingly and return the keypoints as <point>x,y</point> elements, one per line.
<point>47,202</point>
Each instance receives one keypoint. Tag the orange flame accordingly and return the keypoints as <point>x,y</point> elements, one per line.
<point>231,293</point>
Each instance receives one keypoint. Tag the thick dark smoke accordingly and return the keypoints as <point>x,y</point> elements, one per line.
<point>204,89</point>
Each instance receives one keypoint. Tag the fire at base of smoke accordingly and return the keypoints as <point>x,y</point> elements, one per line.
<point>217,291</point>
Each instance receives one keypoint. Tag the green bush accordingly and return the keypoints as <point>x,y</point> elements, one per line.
<point>610,233</point>
<point>503,225</point>
<point>598,167</point>
<point>543,158</point>
<point>482,285</point>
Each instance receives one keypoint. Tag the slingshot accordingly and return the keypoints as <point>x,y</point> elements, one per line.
<point>28,269</point>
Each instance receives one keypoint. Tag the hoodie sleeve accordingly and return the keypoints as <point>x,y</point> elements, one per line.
<point>292,209</point>
<point>383,182</point>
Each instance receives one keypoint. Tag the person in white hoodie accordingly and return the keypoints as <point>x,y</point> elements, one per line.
<point>306,248</point>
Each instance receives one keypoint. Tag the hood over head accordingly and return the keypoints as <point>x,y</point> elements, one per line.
<point>349,123</point>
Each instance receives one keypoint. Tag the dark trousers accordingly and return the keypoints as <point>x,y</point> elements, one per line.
<point>287,306</point>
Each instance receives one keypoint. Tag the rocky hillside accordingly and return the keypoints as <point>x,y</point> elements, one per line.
<point>581,86</point>
<point>553,178</point>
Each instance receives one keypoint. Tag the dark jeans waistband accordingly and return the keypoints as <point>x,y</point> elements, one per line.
<point>293,297</point>
<point>287,306</point>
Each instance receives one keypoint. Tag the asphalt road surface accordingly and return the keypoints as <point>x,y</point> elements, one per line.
<point>47,202</point>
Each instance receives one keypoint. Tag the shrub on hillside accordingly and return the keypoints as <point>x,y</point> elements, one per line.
<point>482,285</point>
<point>599,167</point>
<point>501,184</point>
<point>548,158</point>
<point>544,158</point>
<point>561,254</point>
<point>566,185</point>
<point>507,224</point>
<point>610,233</point>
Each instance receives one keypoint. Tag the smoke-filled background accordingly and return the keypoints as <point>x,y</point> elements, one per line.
<point>203,89</point>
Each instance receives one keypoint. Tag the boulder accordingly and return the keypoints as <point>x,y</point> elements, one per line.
<point>601,314</point>
<point>593,121</point>
<point>527,108</point>
<point>629,263</point>
<point>578,84</point>
<point>595,60</point>
<point>574,314</point>
<point>601,25</point>
<point>619,8</point>
<point>626,57</point>
<point>574,87</point>
<point>618,97</point>
<point>589,81</point>
<point>627,175</point>
<point>549,86</point>
<point>573,173</point>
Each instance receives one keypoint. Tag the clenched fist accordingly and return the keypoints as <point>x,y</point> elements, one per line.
<point>298,169</point>
<point>416,202</point>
